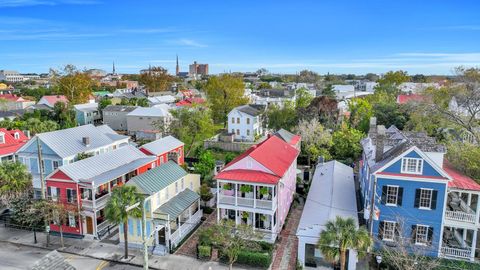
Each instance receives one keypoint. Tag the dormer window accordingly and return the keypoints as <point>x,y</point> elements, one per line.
<point>412,165</point>
<point>2,138</point>
<point>16,135</point>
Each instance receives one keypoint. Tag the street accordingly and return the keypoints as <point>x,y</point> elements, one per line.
<point>14,257</point>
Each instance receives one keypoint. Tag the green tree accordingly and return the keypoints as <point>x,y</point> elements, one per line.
<point>389,83</point>
<point>360,112</point>
<point>390,114</point>
<point>329,92</point>
<point>116,208</point>
<point>60,215</point>
<point>205,193</point>
<point>341,235</point>
<point>190,125</point>
<point>264,85</point>
<point>231,239</point>
<point>465,157</point>
<point>282,117</point>
<point>142,102</point>
<point>303,98</point>
<point>346,143</point>
<point>224,93</point>
<point>74,84</point>
<point>64,115</point>
<point>316,141</point>
<point>156,79</point>
<point>103,103</point>
<point>205,164</point>
<point>15,180</point>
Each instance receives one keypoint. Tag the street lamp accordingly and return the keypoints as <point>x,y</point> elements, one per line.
<point>379,260</point>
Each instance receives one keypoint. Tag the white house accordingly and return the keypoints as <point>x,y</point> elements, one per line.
<point>331,194</point>
<point>246,122</point>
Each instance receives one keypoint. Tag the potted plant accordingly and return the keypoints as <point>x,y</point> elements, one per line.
<point>245,216</point>
<point>246,189</point>
<point>264,192</point>
<point>228,189</point>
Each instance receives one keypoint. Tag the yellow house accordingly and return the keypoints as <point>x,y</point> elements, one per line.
<point>172,204</point>
<point>3,86</point>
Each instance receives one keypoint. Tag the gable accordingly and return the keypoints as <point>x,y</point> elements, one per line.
<point>248,163</point>
<point>429,168</point>
<point>31,147</point>
<point>59,175</point>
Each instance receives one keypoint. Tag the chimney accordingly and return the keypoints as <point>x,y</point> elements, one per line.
<point>86,141</point>
<point>380,143</point>
<point>373,125</point>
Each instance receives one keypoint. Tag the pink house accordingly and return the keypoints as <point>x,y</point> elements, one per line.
<point>257,187</point>
<point>51,100</point>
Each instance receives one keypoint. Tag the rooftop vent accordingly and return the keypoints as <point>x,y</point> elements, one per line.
<point>86,141</point>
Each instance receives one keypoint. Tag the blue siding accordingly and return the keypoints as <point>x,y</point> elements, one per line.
<point>148,228</point>
<point>408,214</point>
<point>80,116</point>
<point>428,169</point>
<point>130,226</point>
<point>48,166</point>
<point>139,228</point>
<point>34,165</point>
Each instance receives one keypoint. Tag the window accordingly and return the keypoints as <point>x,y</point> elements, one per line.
<point>55,164</point>
<point>238,120</point>
<point>425,199</point>
<point>388,231</point>
<point>43,165</point>
<point>248,121</point>
<point>392,195</point>
<point>53,193</point>
<point>248,132</point>
<point>238,131</point>
<point>176,187</point>
<point>16,136</point>
<point>233,131</point>
<point>71,220</point>
<point>412,165</point>
<point>421,235</point>
<point>182,184</point>
<point>71,195</point>
<point>233,120</point>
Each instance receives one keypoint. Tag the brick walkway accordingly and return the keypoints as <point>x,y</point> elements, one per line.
<point>189,247</point>
<point>285,255</point>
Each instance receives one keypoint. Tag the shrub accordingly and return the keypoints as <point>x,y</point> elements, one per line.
<point>254,258</point>
<point>207,210</point>
<point>266,246</point>
<point>204,252</point>
<point>205,237</point>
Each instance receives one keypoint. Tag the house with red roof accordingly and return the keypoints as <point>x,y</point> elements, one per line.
<point>257,187</point>
<point>404,99</point>
<point>10,142</point>
<point>52,99</point>
<point>188,102</point>
<point>14,102</point>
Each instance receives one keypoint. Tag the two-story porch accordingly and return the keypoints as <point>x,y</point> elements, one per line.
<point>249,203</point>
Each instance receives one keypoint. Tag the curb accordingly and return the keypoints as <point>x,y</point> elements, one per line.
<point>81,255</point>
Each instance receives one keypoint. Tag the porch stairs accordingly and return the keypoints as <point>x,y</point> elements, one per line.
<point>159,250</point>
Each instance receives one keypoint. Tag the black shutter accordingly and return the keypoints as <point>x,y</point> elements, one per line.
<point>414,234</point>
<point>417,198</point>
<point>433,204</point>
<point>74,195</point>
<point>59,195</point>
<point>384,194</point>
<point>400,196</point>
<point>380,230</point>
<point>49,191</point>
<point>430,235</point>
<point>396,232</point>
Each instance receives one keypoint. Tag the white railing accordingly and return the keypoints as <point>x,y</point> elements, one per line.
<point>460,216</point>
<point>184,229</point>
<point>247,202</point>
<point>87,204</point>
<point>102,226</point>
<point>456,252</point>
<point>102,201</point>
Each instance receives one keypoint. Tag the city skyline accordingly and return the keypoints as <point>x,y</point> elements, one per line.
<point>281,36</point>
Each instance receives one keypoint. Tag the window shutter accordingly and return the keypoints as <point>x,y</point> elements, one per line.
<point>384,194</point>
<point>414,233</point>
<point>417,198</point>
<point>381,225</point>
<point>49,191</point>
<point>139,228</point>
<point>148,228</point>
<point>74,195</point>
<point>59,195</point>
<point>430,235</point>
<point>400,196</point>
<point>397,231</point>
<point>433,204</point>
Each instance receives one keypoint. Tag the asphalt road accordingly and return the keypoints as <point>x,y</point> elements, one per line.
<point>15,257</point>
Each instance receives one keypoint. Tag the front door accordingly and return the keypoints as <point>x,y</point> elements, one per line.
<point>161,236</point>
<point>89,225</point>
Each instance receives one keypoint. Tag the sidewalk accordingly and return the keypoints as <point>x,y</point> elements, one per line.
<point>105,251</point>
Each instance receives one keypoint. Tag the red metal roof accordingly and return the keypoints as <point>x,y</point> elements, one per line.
<point>273,153</point>
<point>402,99</point>
<point>190,102</point>
<point>248,176</point>
<point>459,180</point>
<point>55,98</point>
<point>12,97</point>
<point>11,144</point>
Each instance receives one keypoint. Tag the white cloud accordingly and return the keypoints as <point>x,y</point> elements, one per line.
<point>24,3</point>
<point>190,43</point>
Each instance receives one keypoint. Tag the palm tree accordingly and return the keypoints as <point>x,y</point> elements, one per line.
<point>341,235</point>
<point>116,209</point>
<point>14,180</point>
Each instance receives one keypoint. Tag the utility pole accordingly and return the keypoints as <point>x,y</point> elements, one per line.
<point>42,183</point>
<point>372,204</point>
<point>144,237</point>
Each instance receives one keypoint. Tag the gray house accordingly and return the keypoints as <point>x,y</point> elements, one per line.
<point>148,119</point>
<point>115,116</point>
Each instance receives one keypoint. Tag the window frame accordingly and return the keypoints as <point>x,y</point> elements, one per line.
<point>422,190</point>
<point>388,195</point>
<point>389,223</point>
<point>418,165</point>
<point>424,234</point>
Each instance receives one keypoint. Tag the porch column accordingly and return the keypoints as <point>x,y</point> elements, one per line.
<point>254,197</point>
<point>474,245</point>
<point>236,194</point>
<point>464,236</point>
<point>254,223</point>
<point>469,200</point>
<point>272,227</point>
<point>236,217</point>
<point>218,194</point>
<point>218,215</point>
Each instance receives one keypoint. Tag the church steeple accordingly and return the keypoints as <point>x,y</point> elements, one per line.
<point>177,69</point>
<point>113,69</point>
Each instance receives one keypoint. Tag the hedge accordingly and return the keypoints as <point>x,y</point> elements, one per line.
<point>204,252</point>
<point>254,258</point>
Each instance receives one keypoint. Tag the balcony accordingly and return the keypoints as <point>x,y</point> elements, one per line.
<point>456,253</point>
<point>459,211</point>
<point>250,196</point>
<point>247,202</point>
<point>457,244</point>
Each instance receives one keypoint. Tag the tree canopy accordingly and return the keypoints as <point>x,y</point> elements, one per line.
<point>73,83</point>
<point>155,79</point>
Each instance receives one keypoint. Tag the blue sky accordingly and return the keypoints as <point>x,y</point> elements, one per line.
<point>430,37</point>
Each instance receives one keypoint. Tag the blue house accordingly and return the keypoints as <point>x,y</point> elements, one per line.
<point>87,113</point>
<point>63,147</point>
<point>419,201</point>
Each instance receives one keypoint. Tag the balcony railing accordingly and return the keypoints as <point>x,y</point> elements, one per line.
<point>459,253</point>
<point>247,202</point>
<point>184,229</point>
<point>460,216</point>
